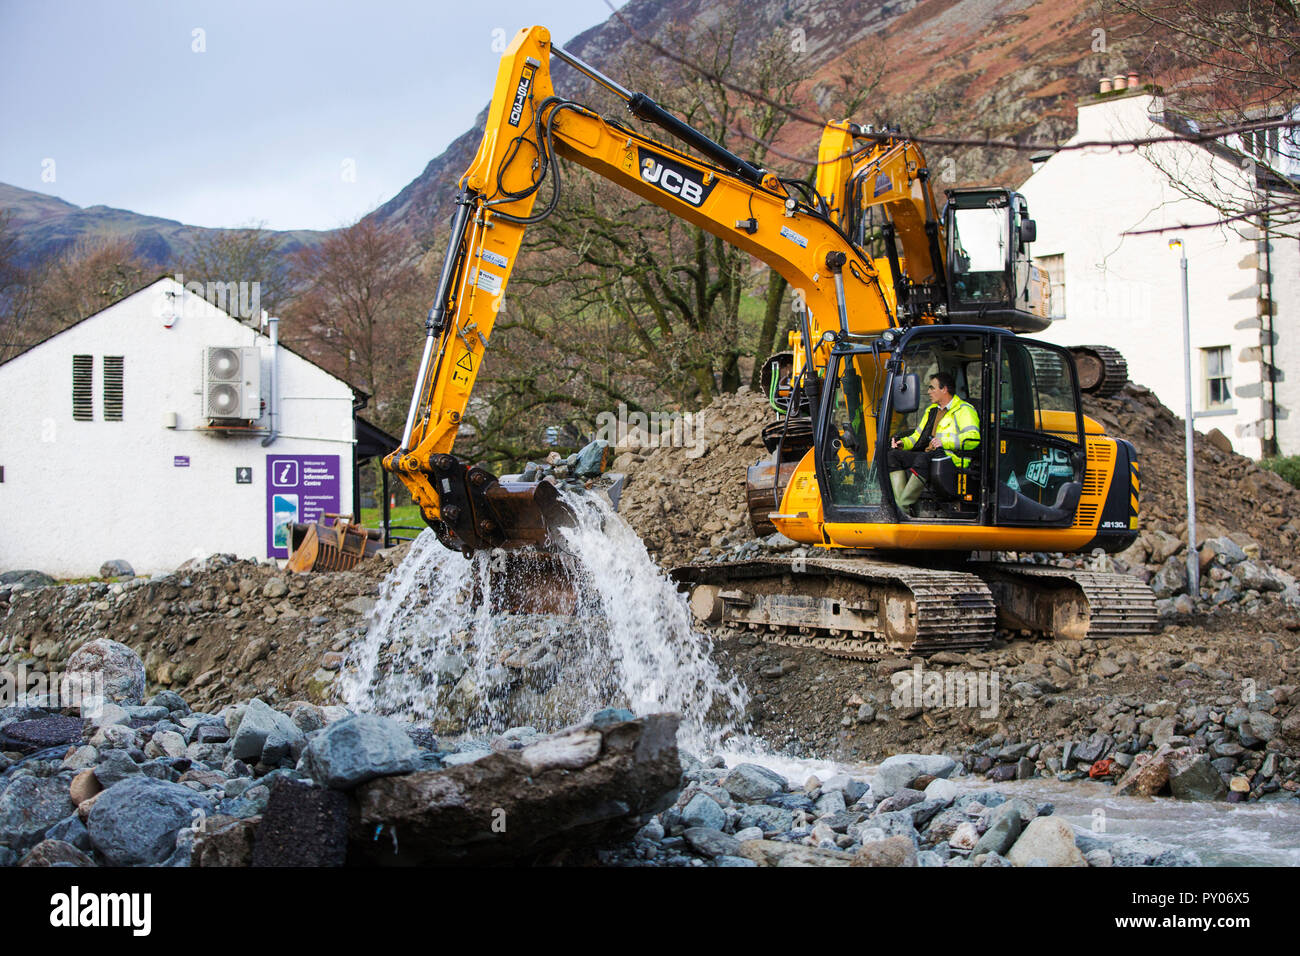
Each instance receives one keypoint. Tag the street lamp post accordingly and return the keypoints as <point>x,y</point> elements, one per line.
<point>1193,559</point>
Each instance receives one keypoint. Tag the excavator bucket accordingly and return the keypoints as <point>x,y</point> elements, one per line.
<point>331,547</point>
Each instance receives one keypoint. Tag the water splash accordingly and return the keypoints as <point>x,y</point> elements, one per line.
<point>436,650</point>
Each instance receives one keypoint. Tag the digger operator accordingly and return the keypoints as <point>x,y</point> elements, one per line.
<point>950,425</point>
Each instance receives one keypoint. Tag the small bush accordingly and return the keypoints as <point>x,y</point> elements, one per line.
<point>1288,468</point>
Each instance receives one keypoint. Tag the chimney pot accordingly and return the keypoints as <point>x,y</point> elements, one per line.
<point>1119,81</point>
<point>1105,85</point>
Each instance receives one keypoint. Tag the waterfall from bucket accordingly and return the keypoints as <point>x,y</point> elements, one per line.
<point>436,651</point>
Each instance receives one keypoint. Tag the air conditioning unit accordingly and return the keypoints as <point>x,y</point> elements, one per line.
<point>232,384</point>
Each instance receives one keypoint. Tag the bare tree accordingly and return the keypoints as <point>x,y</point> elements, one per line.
<point>251,254</point>
<point>1233,64</point>
<point>360,310</point>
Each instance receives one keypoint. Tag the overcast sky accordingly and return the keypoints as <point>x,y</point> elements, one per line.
<point>262,115</point>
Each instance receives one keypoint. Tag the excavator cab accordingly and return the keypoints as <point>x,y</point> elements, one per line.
<point>991,279</point>
<point>1024,466</point>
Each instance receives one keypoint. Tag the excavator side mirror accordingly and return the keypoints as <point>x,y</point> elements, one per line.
<point>906,393</point>
<point>1028,232</point>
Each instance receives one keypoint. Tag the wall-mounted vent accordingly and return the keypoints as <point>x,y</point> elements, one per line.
<point>83,396</point>
<point>113,388</point>
<point>232,379</point>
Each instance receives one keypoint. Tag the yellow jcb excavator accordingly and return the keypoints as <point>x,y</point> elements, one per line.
<point>946,291</point>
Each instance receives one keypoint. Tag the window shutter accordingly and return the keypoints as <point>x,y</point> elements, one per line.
<point>83,409</point>
<point>113,388</point>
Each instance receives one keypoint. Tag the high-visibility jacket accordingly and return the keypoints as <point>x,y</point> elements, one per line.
<point>958,430</point>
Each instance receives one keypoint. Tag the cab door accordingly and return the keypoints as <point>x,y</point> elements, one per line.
<point>1040,451</point>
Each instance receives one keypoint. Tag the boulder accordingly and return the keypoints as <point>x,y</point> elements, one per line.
<point>772,853</point>
<point>30,805</point>
<point>136,821</point>
<point>226,842</point>
<point>116,665</point>
<point>116,568</point>
<point>28,579</point>
<point>749,783</point>
<point>896,772</point>
<point>712,842</point>
<point>352,751</point>
<point>702,811</point>
<point>265,734</point>
<point>1148,775</point>
<point>594,459</point>
<point>1192,778</point>
<point>55,853</point>
<point>1171,579</point>
<point>891,851</point>
<point>514,805</point>
<point>1046,839</point>
<point>768,819</point>
<point>1003,831</point>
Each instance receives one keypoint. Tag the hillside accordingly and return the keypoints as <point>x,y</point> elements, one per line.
<point>1001,68</point>
<point>47,225</point>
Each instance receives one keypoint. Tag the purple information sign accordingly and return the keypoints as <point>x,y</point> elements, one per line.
<point>299,488</point>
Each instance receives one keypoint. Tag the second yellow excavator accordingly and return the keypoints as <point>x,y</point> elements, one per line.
<point>895,297</point>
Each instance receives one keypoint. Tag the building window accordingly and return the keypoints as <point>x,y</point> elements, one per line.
<point>1218,377</point>
<point>112,388</point>
<point>1054,267</point>
<point>83,370</point>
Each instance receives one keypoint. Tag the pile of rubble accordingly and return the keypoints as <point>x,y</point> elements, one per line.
<point>219,630</point>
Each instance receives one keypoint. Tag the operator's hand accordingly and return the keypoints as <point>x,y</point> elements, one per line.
<point>934,445</point>
<point>893,443</point>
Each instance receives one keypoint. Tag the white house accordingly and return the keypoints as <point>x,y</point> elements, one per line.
<point>160,429</point>
<point>1104,226</point>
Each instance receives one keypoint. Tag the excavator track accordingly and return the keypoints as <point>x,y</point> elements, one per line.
<point>1068,604</point>
<point>1102,369</point>
<point>858,608</point>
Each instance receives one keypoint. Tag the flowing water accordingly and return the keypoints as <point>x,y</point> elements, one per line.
<point>436,652</point>
<point>1265,833</point>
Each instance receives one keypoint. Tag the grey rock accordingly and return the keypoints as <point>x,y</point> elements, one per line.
<point>591,459</point>
<point>116,665</point>
<point>830,803</point>
<point>115,767</point>
<point>137,821</point>
<point>351,751</point>
<point>900,770</point>
<point>71,830</point>
<point>265,734</point>
<point>116,568</point>
<point>30,805</point>
<point>1251,576</point>
<point>1195,779</point>
<point>28,579</point>
<point>703,811</point>
<point>748,782</point>
<point>1003,831</point>
<point>1099,857</point>
<point>1171,579</point>
<point>601,718</point>
<point>173,701</point>
<point>768,819</point>
<point>711,842</point>
<point>735,861</point>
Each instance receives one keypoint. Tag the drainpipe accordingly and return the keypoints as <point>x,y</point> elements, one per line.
<point>273,404</point>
